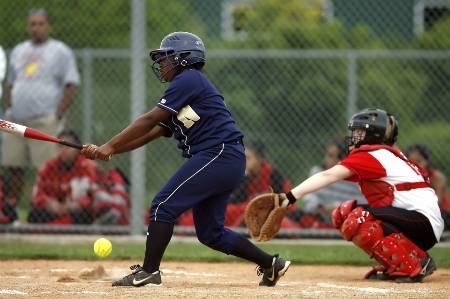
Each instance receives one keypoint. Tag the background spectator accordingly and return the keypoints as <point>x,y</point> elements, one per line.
<point>3,64</point>
<point>6,214</point>
<point>260,177</point>
<point>420,154</point>
<point>111,198</point>
<point>72,189</point>
<point>61,194</point>
<point>318,206</point>
<point>2,69</point>
<point>42,80</point>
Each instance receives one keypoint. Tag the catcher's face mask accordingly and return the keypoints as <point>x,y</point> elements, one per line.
<point>355,139</point>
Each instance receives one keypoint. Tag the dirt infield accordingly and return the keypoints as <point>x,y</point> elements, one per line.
<point>82,279</point>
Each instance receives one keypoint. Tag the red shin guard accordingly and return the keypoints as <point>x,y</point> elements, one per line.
<point>399,256</point>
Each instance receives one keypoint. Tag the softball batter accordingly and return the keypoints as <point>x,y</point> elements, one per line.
<point>194,113</point>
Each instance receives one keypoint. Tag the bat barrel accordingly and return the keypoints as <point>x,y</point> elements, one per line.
<point>23,131</point>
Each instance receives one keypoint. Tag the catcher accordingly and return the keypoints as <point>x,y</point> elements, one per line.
<point>402,219</point>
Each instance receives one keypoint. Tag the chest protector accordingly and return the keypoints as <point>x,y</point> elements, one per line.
<point>380,193</point>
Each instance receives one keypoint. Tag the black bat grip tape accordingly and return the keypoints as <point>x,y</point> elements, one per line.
<point>71,144</point>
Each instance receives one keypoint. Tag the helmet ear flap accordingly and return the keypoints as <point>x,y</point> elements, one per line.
<point>391,134</point>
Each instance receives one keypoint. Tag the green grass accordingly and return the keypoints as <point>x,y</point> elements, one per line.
<point>299,254</point>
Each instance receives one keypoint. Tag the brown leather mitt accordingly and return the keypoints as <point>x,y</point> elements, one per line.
<point>264,214</point>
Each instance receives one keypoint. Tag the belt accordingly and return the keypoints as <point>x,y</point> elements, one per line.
<point>409,186</point>
<point>236,141</point>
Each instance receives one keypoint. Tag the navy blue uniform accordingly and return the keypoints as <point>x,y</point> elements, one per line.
<point>207,135</point>
<point>194,112</point>
<point>200,119</point>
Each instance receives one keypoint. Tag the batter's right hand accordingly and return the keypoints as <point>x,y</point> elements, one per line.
<point>104,152</point>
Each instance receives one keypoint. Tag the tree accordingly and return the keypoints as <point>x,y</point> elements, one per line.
<point>96,23</point>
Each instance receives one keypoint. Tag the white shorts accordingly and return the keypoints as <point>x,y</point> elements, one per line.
<point>25,152</point>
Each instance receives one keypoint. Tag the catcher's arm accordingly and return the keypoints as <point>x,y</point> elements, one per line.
<point>318,181</point>
<point>265,212</point>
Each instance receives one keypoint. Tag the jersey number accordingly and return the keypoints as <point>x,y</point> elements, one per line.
<point>188,116</point>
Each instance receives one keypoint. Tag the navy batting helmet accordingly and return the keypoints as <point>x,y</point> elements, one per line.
<point>182,49</point>
<point>380,127</point>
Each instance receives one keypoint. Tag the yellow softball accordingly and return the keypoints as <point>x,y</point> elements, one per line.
<point>102,247</point>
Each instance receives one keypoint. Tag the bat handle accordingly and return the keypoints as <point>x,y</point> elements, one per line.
<point>71,144</point>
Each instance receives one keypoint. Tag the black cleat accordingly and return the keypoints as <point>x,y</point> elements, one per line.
<point>273,274</point>
<point>139,278</point>
<point>379,276</point>
<point>378,273</point>
<point>428,267</point>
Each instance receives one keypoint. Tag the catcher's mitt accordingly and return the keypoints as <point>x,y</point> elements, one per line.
<point>264,214</point>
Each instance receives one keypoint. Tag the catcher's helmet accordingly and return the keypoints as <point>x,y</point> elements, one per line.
<point>182,49</point>
<point>380,127</point>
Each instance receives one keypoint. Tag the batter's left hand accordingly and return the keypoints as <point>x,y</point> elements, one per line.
<point>89,151</point>
<point>93,152</point>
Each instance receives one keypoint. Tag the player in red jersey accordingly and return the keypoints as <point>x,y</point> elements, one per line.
<point>402,219</point>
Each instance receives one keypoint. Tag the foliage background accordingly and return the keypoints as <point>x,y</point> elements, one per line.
<point>294,104</point>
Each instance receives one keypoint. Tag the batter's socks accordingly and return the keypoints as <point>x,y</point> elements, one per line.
<point>158,237</point>
<point>245,249</point>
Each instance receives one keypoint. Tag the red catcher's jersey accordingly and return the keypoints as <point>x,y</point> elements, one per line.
<point>378,169</point>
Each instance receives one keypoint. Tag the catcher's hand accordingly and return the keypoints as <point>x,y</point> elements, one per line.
<point>263,215</point>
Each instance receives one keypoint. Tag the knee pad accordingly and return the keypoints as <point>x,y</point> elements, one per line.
<point>354,220</point>
<point>341,213</point>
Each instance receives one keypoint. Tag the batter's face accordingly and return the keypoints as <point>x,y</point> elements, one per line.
<point>38,28</point>
<point>67,154</point>
<point>168,70</point>
<point>418,158</point>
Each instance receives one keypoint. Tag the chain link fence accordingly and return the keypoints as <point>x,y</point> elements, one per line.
<point>292,74</point>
